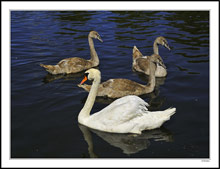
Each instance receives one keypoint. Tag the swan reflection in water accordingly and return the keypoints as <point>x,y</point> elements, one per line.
<point>128,143</point>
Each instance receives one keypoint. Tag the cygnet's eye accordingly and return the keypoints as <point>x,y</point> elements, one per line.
<point>164,42</point>
<point>156,63</point>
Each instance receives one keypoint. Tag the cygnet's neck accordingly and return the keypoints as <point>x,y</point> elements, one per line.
<point>155,47</point>
<point>151,81</point>
<point>94,56</point>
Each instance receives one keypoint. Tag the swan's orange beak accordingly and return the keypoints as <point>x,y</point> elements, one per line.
<point>85,78</point>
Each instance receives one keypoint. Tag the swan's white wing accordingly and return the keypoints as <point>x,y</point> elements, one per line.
<point>121,110</point>
<point>128,115</point>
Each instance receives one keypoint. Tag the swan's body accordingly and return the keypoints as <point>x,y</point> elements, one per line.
<point>141,63</point>
<point>116,88</point>
<point>128,114</point>
<point>76,64</point>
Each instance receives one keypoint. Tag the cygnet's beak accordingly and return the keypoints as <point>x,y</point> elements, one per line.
<point>162,64</point>
<point>167,46</point>
<point>99,38</point>
<point>84,79</point>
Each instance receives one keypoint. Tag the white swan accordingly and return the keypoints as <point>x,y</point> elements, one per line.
<point>128,114</point>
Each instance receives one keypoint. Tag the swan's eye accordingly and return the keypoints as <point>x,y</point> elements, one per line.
<point>84,79</point>
<point>86,74</point>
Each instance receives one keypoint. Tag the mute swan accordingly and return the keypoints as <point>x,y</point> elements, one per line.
<point>76,64</point>
<point>141,63</point>
<point>116,88</point>
<point>128,114</point>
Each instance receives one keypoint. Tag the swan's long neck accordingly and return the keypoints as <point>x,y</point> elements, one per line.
<point>85,112</point>
<point>94,56</point>
<point>155,47</point>
<point>151,82</point>
<point>88,138</point>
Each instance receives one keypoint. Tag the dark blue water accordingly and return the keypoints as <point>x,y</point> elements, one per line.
<point>44,108</point>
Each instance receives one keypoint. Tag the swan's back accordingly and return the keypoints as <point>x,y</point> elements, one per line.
<point>122,109</point>
<point>128,114</point>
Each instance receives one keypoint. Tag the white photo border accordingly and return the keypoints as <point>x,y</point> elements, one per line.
<point>212,6</point>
